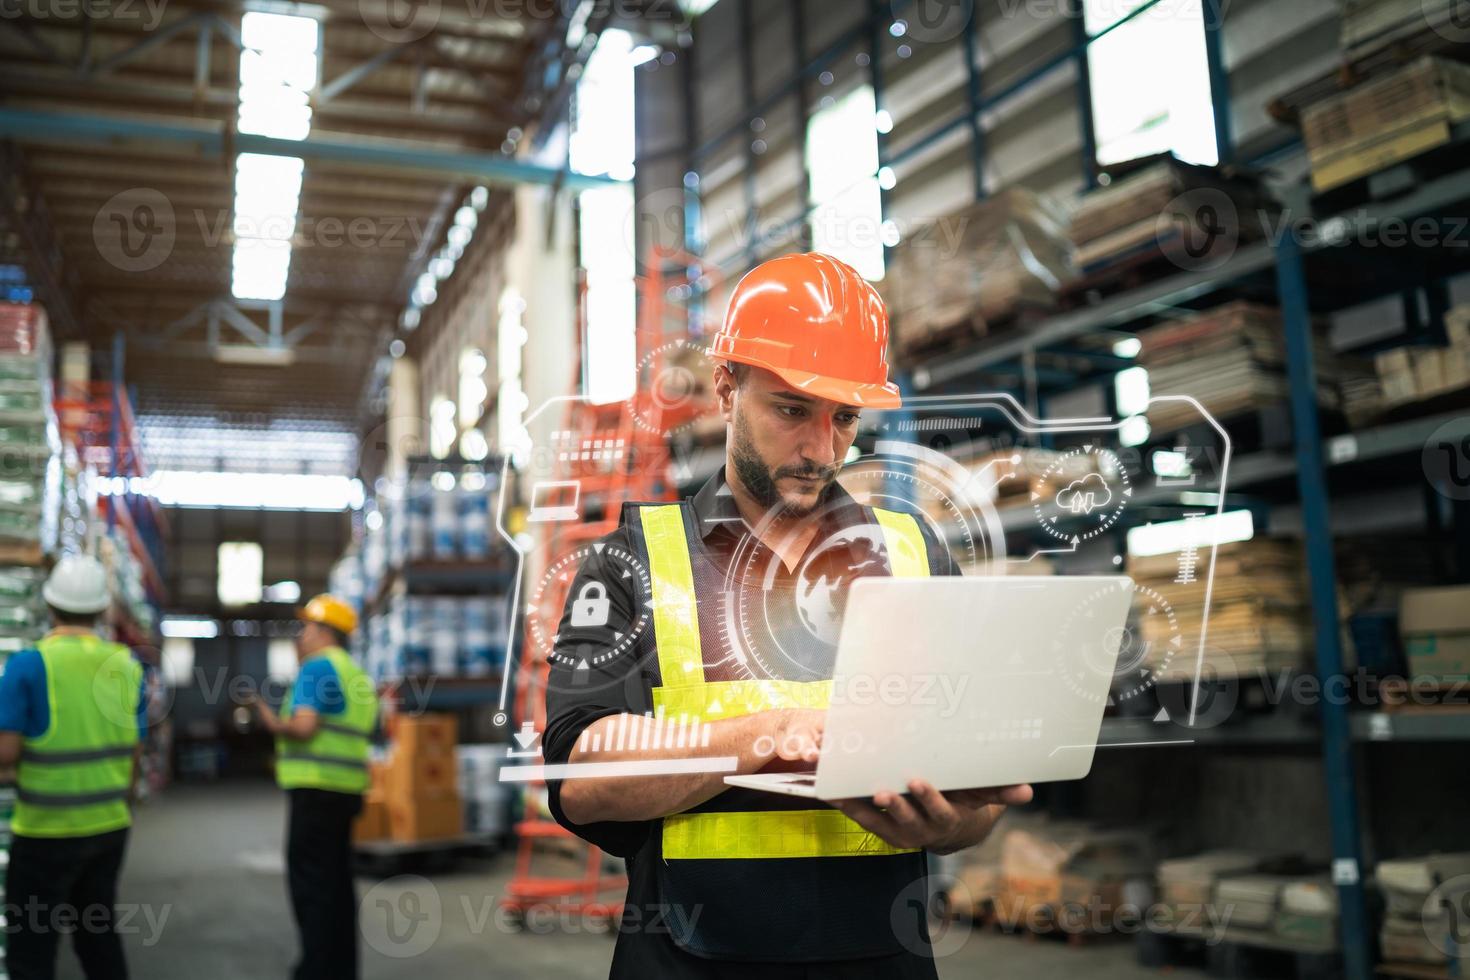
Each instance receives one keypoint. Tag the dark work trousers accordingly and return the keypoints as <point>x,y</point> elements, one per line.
<point>319,871</point>
<point>61,885</point>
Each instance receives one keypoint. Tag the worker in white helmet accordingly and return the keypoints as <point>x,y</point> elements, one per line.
<point>72,714</point>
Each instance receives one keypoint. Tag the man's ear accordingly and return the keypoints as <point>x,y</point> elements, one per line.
<point>725,387</point>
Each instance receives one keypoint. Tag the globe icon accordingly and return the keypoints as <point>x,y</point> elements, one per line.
<point>822,581</point>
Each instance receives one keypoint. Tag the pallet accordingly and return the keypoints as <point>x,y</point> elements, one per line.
<point>27,553</point>
<point>1237,954</point>
<point>1398,179</point>
<point>1451,698</point>
<point>1035,921</point>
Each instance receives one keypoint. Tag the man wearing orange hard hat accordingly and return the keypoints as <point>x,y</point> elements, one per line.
<point>322,741</point>
<point>723,881</point>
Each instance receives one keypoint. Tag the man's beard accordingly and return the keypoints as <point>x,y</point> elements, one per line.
<point>760,481</point>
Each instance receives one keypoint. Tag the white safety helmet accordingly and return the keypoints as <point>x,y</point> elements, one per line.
<point>78,584</point>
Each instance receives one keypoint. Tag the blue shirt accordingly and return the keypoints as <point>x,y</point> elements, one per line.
<point>24,706</point>
<point>319,688</point>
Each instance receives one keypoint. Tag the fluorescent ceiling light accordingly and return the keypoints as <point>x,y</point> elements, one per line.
<point>177,627</point>
<point>256,491</point>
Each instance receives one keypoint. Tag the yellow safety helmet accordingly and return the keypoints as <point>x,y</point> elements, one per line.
<point>329,611</point>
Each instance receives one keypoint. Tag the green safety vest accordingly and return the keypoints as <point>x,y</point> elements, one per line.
<point>73,781</point>
<point>336,757</point>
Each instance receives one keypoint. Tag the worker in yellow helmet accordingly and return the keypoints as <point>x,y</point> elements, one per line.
<point>72,713</point>
<point>322,739</point>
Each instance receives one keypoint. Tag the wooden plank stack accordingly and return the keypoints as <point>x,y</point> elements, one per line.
<point>1048,865</point>
<point>1414,914</point>
<point>1232,359</point>
<point>1259,620</point>
<point>1411,374</point>
<point>1131,218</point>
<point>951,279</point>
<point>1385,120</point>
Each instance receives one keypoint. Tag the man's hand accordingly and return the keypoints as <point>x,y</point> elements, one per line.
<point>798,735</point>
<point>932,820</point>
<point>269,720</point>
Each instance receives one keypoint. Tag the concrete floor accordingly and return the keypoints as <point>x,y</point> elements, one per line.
<point>205,875</point>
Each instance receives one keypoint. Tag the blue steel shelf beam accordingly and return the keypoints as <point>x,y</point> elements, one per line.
<point>1339,762</point>
<point>218,142</point>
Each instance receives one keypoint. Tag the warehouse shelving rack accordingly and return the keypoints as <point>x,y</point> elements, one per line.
<point>1268,269</point>
<point>1286,263</point>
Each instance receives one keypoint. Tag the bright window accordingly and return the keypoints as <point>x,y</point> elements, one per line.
<point>177,658</point>
<point>240,567</point>
<point>842,158</point>
<point>602,143</point>
<point>1151,82</point>
<point>472,388</point>
<point>511,402</point>
<point>280,659</point>
<point>442,430</point>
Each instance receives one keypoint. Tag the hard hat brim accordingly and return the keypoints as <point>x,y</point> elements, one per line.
<point>840,390</point>
<point>69,606</point>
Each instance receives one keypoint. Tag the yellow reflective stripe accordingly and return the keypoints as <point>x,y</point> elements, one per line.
<point>769,834</point>
<point>729,699</point>
<point>675,620</point>
<point>904,543</point>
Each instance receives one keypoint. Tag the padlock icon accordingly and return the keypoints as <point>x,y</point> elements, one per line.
<point>589,609</point>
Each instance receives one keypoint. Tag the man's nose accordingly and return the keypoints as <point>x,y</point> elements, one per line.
<point>818,446</point>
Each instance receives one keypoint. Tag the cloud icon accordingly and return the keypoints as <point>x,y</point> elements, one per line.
<point>1085,495</point>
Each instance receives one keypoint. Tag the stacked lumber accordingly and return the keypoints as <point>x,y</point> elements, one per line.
<point>961,272</point>
<point>1232,359</point>
<point>1067,863</point>
<point>1148,204</point>
<point>1385,120</point>
<point>1417,926</point>
<point>1259,619</point>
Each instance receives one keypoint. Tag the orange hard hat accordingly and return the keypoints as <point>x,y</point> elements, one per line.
<point>815,323</point>
<point>329,611</point>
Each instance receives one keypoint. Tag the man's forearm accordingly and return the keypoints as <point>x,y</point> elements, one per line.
<point>650,797</point>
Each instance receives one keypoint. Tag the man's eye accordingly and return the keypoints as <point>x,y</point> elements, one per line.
<point>790,411</point>
<point>848,418</point>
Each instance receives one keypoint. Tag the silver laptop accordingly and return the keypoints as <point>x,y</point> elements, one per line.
<point>965,683</point>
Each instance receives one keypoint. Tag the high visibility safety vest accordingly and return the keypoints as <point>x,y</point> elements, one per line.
<point>336,757</point>
<point>749,875</point>
<point>73,780</point>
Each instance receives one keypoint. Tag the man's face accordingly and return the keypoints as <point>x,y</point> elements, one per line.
<point>787,447</point>
<point>314,637</point>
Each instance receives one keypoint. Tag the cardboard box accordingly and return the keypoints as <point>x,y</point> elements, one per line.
<point>411,775</point>
<point>1435,624</point>
<point>431,817</point>
<point>425,734</point>
<point>372,822</point>
<point>1429,371</point>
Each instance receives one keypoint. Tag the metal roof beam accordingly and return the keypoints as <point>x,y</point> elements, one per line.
<point>212,142</point>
